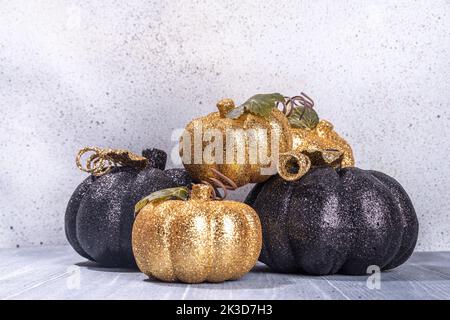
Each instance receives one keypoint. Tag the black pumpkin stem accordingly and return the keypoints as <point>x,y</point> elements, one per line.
<point>103,160</point>
<point>156,158</point>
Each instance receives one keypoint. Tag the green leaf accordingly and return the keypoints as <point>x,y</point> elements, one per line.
<point>304,118</point>
<point>259,104</point>
<point>181,193</point>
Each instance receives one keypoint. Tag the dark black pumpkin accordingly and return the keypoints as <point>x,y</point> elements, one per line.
<point>100,214</point>
<point>334,221</point>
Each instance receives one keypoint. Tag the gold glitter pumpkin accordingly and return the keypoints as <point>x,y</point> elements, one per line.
<point>275,127</point>
<point>321,138</point>
<point>196,240</point>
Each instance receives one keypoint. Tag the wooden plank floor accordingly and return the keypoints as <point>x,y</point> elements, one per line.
<point>59,273</point>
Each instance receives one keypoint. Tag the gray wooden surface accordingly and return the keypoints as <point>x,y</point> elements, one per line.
<point>59,273</point>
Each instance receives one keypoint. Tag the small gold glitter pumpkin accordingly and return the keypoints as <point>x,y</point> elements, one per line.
<point>273,137</point>
<point>196,240</point>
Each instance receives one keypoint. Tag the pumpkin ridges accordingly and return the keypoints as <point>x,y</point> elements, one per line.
<point>318,256</point>
<point>274,224</point>
<point>374,244</point>
<point>254,237</point>
<point>220,244</point>
<point>138,234</point>
<point>251,239</point>
<point>246,172</point>
<point>208,240</point>
<point>249,200</point>
<point>396,223</point>
<point>355,235</point>
<point>154,250</point>
<point>214,254</point>
<point>108,192</point>
<point>409,220</point>
<point>70,218</point>
<point>348,207</point>
<point>189,241</point>
<point>128,200</point>
<point>236,172</point>
<point>268,234</point>
<point>87,218</point>
<point>351,208</point>
<point>285,205</point>
<point>140,183</point>
<point>230,253</point>
<point>396,219</point>
<point>168,274</point>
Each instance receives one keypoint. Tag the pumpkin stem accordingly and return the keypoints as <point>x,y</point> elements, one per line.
<point>301,103</point>
<point>222,182</point>
<point>325,157</point>
<point>293,165</point>
<point>201,192</point>
<point>303,100</point>
<point>156,158</point>
<point>224,106</point>
<point>104,159</point>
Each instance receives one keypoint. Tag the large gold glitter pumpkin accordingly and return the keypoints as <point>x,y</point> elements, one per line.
<point>196,240</point>
<point>273,136</point>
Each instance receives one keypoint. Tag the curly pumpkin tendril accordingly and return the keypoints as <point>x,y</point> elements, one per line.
<point>222,182</point>
<point>302,100</point>
<point>103,160</point>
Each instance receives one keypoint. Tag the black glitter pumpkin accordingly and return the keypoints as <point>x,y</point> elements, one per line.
<point>100,213</point>
<point>334,221</point>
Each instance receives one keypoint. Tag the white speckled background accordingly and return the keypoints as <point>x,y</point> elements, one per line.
<point>125,74</point>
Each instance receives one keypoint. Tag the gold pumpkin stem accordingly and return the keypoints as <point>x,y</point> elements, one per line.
<point>201,192</point>
<point>224,106</point>
<point>104,159</point>
<point>293,165</point>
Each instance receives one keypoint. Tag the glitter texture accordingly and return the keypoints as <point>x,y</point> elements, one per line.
<point>321,138</point>
<point>103,160</point>
<point>240,173</point>
<point>197,240</point>
<point>334,221</point>
<point>100,213</point>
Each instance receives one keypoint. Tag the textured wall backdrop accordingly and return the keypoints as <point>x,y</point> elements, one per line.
<point>126,73</point>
